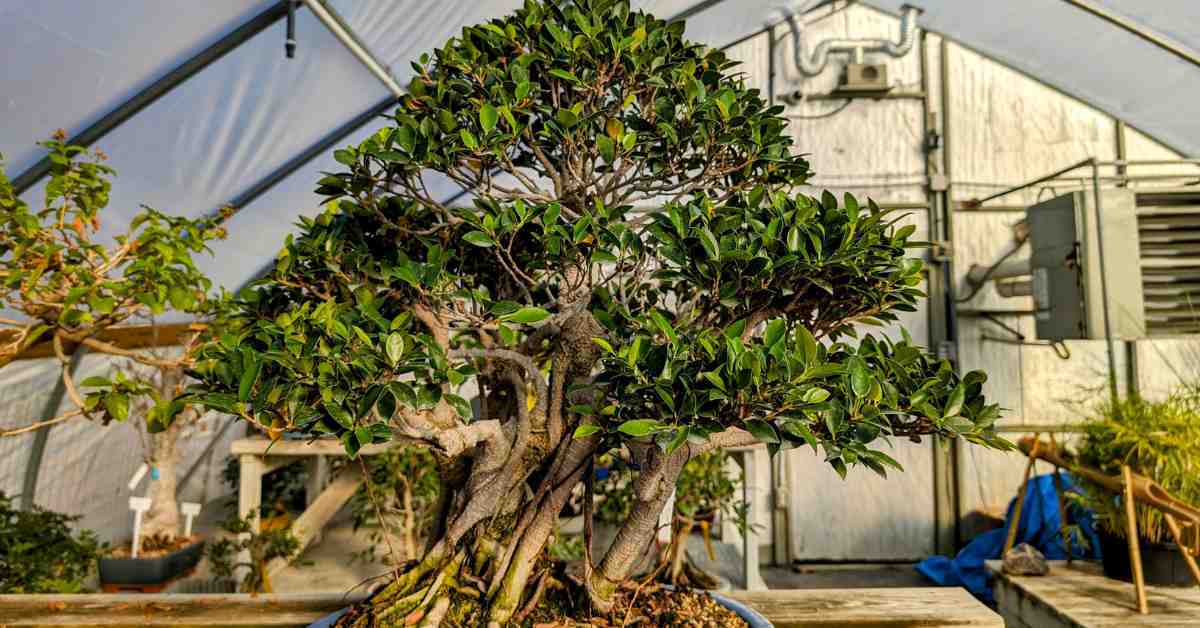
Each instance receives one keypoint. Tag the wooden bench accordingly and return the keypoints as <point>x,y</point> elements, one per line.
<point>259,456</point>
<point>1079,595</point>
<point>825,608</point>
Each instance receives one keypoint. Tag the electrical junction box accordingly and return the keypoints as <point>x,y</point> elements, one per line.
<point>865,78</point>
<point>1068,283</point>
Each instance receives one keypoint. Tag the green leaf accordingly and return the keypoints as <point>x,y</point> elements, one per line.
<point>711,246</point>
<point>954,403</point>
<point>117,406</point>
<point>488,117</point>
<point>339,414</point>
<point>468,139</point>
<point>664,325</point>
<point>762,431</point>
<point>95,381</point>
<point>479,238</point>
<point>860,379</point>
<point>608,150</point>
<point>523,89</point>
<point>587,429</point>
<point>394,346</point>
<point>251,364</point>
<point>640,427</point>
<point>527,315</point>
<point>564,75</point>
<point>774,332</point>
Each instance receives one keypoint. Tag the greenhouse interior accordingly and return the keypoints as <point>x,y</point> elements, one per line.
<point>600,313</point>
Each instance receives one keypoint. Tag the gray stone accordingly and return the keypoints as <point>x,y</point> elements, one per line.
<point>1025,560</point>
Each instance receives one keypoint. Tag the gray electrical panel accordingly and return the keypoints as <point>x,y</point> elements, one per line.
<point>1068,292</point>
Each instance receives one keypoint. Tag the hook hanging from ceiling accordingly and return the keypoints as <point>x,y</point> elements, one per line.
<point>289,44</point>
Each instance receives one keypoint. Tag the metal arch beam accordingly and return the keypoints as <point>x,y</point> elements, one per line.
<point>33,468</point>
<point>158,89</point>
<point>1138,30</point>
<point>263,185</point>
<point>350,39</point>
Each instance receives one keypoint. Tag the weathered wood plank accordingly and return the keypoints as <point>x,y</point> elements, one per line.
<point>786,609</point>
<point>126,337</point>
<point>1078,595</point>
<point>288,447</point>
<point>175,610</point>
<point>826,608</point>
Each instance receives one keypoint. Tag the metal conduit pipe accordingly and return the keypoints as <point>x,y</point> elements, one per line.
<point>978,274</point>
<point>1018,288</point>
<point>814,64</point>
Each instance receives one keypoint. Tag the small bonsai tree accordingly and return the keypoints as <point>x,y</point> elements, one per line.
<point>70,287</point>
<point>635,270</point>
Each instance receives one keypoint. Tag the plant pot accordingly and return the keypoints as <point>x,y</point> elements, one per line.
<point>1162,564</point>
<point>149,570</point>
<point>751,616</point>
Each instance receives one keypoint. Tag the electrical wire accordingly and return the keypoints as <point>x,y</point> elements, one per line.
<point>827,114</point>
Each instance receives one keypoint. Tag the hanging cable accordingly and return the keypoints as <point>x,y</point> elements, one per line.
<point>827,114</point>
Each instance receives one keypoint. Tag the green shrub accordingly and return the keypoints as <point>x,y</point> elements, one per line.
<point>1157,439</point>
<point>39,553</point>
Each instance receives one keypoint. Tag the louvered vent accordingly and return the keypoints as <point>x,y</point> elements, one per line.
<point>1169,234</point>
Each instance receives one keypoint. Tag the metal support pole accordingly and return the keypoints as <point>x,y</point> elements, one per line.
<point>33,468</point>
<point>1108,337</point>
<point>346,35</point>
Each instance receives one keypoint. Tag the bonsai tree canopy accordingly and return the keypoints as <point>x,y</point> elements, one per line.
<point>635,270</point>
<point>68,285</point>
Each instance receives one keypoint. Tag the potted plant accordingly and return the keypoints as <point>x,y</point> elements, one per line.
<point>636,270</point>
<point>1159,440</point>
<point>400,496</point>
<point>260,546</point>
<point>40,553</point>
<point>71,289</point>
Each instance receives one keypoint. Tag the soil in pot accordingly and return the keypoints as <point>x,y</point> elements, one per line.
<point>1162,565</point>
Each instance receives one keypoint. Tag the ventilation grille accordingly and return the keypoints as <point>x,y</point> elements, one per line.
<point>1169,235</point>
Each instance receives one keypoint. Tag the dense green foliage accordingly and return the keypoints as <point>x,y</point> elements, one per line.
<point>39,553</point>
<point>1157,439</point>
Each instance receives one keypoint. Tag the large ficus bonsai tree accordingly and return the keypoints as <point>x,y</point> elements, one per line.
<point>635,270</point>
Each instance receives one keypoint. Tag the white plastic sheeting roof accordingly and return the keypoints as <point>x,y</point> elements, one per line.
<point>245,117</point>
<point>227,128</point>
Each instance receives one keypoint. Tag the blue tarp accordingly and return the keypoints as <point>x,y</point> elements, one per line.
<point>1039,527</point>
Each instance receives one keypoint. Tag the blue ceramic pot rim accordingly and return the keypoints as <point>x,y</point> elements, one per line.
<point>751,616</point>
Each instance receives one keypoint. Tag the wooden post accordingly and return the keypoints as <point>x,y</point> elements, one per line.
<point>1062,512</point>
<point>1016,520</point>
<point>318,474</point>
<point>249,500</point>
<point>1173,525</point>
<point>1131,531</point>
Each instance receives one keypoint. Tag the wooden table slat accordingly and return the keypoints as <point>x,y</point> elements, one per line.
<point>829,608</point>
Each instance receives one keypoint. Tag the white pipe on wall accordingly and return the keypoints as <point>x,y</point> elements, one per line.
<point>812,65</point>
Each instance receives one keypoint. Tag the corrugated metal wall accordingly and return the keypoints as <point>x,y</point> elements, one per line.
<point>1000,128</point>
